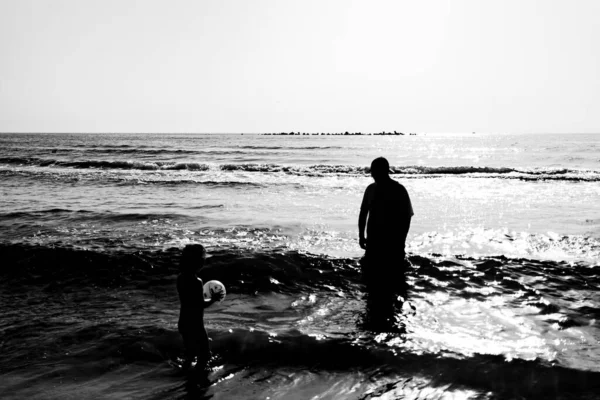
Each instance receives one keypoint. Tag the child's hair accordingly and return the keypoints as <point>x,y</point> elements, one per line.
<point>190,257</point>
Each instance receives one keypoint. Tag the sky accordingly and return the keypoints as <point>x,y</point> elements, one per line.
<point>505,66</point>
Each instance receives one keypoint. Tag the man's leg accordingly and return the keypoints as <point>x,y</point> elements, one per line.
<point>380,291</point>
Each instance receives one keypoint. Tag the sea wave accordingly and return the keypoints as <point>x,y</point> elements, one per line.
<point>288,147</point>
<point>150,150</point>
<point>511,327</point>
<point>96,229</point>
<point>112,176</point>
<point>279,270</point>
<point>127,150</point>
<point>88,215</point>
<point>316,169</point>
<point>455,285</point>
<point>139,358</point>
<point>106,164</point>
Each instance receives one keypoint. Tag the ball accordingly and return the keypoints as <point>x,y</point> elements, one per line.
<point>213,287</point>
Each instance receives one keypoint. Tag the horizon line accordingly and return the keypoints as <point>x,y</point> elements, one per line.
<point>300,133</point>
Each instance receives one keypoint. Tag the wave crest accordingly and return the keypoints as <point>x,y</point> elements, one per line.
<point>315,169</point>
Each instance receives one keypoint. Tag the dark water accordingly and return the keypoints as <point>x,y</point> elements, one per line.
<point>102,325</point>
<point>503,299</point>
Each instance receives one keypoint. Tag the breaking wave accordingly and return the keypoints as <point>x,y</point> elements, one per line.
<point>315,169</point>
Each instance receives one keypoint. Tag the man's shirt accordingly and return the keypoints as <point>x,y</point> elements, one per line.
<point>389,207</point>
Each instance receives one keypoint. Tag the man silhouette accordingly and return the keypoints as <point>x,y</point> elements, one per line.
<point>385,212</point>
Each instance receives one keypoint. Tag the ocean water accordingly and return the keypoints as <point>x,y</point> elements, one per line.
<point>504,252</point>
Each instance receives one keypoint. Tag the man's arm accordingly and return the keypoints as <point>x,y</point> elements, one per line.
<point>362,223</point>
<point>362,218</point>
<point>407,212</point>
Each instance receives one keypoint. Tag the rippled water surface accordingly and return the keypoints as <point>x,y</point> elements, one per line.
<point>503,297</point>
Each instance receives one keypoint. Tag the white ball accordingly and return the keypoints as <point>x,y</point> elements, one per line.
<point>212,287</point>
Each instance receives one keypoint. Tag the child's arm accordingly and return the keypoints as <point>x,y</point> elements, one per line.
<point>216,297</point>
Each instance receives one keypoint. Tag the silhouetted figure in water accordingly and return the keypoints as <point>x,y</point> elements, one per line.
<point>385,214</point>
<point>191,315</point>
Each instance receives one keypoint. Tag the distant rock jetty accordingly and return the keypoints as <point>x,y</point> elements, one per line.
<point>394,133</point>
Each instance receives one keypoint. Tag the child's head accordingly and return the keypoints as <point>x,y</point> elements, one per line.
<point>192,258</point>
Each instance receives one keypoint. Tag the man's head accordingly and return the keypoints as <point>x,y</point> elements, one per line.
<point>193,257</point>
<point>380,169</point>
